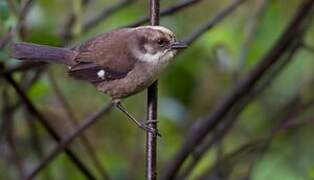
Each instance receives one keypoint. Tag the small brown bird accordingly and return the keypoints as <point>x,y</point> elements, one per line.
<point>119,63</point>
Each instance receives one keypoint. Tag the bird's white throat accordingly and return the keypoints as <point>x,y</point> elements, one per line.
<point>157,58</point>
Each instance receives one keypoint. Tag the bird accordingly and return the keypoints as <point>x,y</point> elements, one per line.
<point>119,63</point>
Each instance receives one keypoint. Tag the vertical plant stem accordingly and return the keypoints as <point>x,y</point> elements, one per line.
<point>152,92</point>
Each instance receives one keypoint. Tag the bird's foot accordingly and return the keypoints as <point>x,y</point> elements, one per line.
<point>150,129</point>
<point>145,126</point>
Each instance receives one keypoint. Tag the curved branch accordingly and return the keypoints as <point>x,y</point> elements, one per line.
<point>74,122</point>
<point>202,127</point>
<point>226,124</point>
<point>213,21</point>
<point>105,13</point>
<point>47,126</point>
<point>66,141</point>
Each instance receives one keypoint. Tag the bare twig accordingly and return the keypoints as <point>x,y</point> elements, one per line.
<point>23,11</point>
<point>202,127</point>
<point>21,68</point>
<point>66,33</point>
<point>193,37</point>
<point>6,38</point>
<point>250,147</point>
<point>289,113</point>
<point>26,84</point>
<point>225,125</point>
<point>152,103</point>
<point>213,21</point>
<point>66,141</point>
<point>251,32</point>
<point>6,112</point>
<point>308,47</point>
<point>165,12</point>
<point>286,116</point>
<point>50,130</point>
<point>35,140</point>
<point>74,122</point>
<point>15,156</point>
<point>10,135</point>
<point>31,78</point>
<point>105,13</point>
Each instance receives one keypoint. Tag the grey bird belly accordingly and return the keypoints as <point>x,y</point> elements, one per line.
<point>139,78</point>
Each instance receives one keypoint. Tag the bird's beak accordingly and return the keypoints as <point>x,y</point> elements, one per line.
<point>178,45</point>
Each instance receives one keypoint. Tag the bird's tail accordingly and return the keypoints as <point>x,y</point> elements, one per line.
<point>35,52</point>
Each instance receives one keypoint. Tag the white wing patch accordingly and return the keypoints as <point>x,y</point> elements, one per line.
<point>101,74</point>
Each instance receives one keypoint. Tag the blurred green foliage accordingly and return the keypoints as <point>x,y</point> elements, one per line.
<point>190,88</point>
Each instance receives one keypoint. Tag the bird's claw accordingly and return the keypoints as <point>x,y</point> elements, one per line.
<point>151,130</point>
<point>151,121</point>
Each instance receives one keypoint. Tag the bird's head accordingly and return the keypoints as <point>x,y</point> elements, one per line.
<point>156,44</point>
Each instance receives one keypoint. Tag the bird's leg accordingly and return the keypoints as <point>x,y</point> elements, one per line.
<point>145,127</point>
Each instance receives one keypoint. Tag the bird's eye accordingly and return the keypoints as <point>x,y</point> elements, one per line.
<point>162,42</point>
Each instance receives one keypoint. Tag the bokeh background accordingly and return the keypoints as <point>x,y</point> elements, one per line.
<point>258,145</point>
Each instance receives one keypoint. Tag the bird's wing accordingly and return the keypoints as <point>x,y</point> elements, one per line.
<point>94,73</point>
<point>104,58</point>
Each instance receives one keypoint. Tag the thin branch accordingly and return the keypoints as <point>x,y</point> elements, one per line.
<point>225,125</point>
<point>250,34</point>
<point>6,38</point>
<point>213,21</point>
<point>21,67</point>
<point>286,121</point>
<point>202,127</point>
<point>32,78</point>
<point>25,86</point>
<point>286,116</point>
<point>27,83</point>
<point>200,151</point>
<point>6,112</point>
<point>189,40</point>
<point>152,103</point>
<point>35,140</point>
<point>23,12</point>
<point>308,47</point>
<point>24,9</point>
<point>74,122</point>
<point>250,147</point>
<point>67,140</point>
<point>47,126</point>
<point>166,11</point>
<point>66,33</point>
<point>15,156</point>
<point>105,13</point>
<point>10,135</point>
